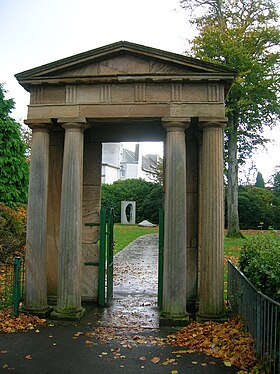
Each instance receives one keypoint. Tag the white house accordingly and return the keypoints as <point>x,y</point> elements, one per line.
<point>122,163</point>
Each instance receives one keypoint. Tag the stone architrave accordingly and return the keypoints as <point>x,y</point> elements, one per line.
<point>211,294</point>
<point>174,265</point>
<point>70,239</point>
<point>35,299</point>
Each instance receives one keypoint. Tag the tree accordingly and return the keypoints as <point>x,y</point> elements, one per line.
<point>148,197</point>
<point>241,34</point>
<point>259,181</point>
<point>258,207</point>
<point>156,175</point>
<point>276,182</point>
<point>13,162</point>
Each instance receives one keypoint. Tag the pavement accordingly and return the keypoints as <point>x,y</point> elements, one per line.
<point>124,337</point>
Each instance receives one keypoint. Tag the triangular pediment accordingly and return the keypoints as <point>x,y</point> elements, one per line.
<point>122,59</point>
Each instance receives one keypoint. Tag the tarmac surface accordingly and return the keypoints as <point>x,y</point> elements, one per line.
<point>124,337</point>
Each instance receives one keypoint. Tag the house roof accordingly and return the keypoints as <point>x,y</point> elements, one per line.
<point>146,60</point>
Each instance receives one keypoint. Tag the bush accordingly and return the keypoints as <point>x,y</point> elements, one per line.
<point>260,262</point>
<point>12,232</point>
<point>148,197</point>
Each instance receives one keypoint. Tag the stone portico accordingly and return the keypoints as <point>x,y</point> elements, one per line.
<point>124,92</point>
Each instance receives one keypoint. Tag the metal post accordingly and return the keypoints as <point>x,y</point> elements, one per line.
<point>160,255</point>
<point>102,254</point>
<point>16,298</point>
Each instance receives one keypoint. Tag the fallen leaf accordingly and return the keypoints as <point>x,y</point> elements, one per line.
<point>142,358</point>
<point>88,342</point>
<point>155,360</point>
<point>194,362</point>
<point>5,366</point>
<point>28,357</point>
<point>227,363</point>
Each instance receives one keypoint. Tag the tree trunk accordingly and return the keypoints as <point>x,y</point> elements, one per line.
<point>232,192</point>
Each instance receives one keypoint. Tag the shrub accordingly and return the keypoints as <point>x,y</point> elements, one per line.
<point>12,232</point>
<point>260,262</point>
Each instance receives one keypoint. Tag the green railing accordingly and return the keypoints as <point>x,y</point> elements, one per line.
<point>261,315</point>
<point>11,286</point>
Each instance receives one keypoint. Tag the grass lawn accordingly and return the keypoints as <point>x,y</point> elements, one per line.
<point>125,234</point>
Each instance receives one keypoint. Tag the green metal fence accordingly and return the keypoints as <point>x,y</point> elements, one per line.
<point>261,315</point>
<point>11,286</point>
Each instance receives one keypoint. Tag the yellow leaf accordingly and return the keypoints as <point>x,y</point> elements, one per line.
<point>174,372</point>
<point>227,363</point>
<point>88,342</point>
<point>5,366</point>
<point>194,362</point>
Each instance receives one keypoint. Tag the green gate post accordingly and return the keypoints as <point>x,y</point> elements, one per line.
<point>16,286</point>
<point>102,258</point>
<point>160,256</point>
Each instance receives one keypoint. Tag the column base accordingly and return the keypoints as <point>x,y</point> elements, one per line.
<point>211,317</point>
<point>39,312</point>
<point>167,319</point>
<point>68,314</point>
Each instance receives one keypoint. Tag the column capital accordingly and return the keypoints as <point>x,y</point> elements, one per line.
<point>212,122</point>
<point>38,124</point>
<point>73,124</point>
<point>177,124</point>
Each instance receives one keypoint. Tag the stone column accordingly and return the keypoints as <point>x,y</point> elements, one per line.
<point>35,300</point>
<point>174,267</point>
<point>192,218</point>
<point>211,300</point>
<point>70,243</point>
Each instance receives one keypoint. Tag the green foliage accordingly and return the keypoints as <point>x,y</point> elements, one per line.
<point>13,163</point>
<point>260,181</point>
<point>148,197</point>
<point>12,232</point>
<point>260,262</point>
<point>256,206</point>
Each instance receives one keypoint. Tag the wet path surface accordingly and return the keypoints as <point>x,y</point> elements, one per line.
<point>121,339</point>
<point>134,302</point>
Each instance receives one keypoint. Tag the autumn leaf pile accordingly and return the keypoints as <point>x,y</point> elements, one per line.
<point>23,322</point>
<point>228,341</point>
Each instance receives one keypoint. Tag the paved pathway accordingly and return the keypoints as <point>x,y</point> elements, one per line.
<point>123,338</point>
<point>135,285</point>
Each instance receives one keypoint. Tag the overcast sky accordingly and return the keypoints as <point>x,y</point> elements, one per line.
<point>35,32</point>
